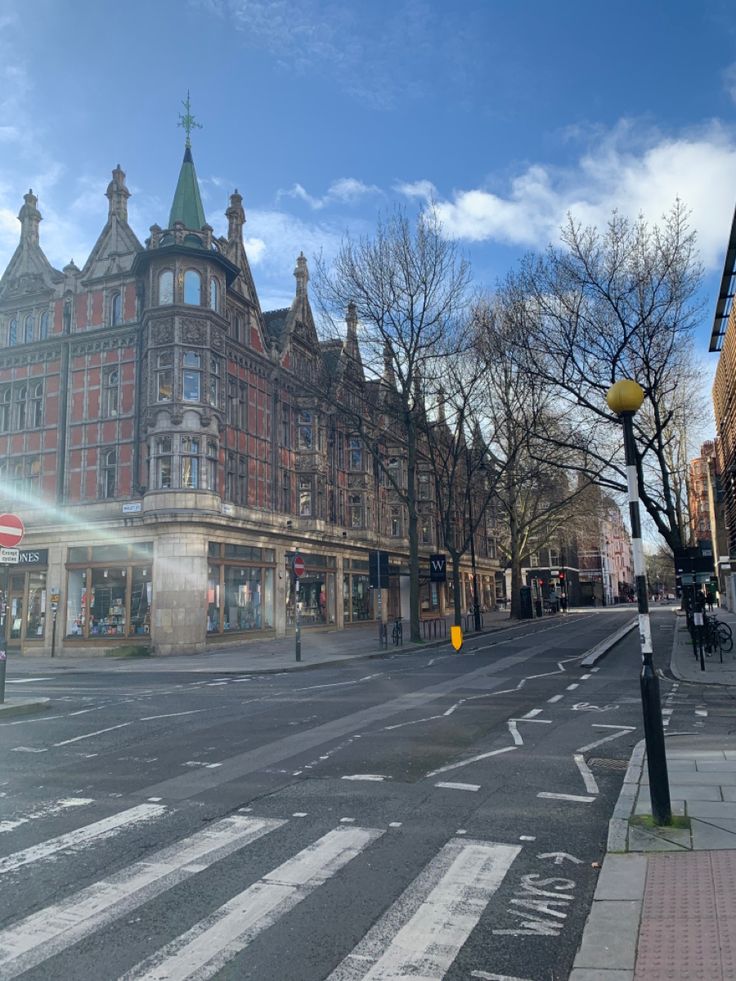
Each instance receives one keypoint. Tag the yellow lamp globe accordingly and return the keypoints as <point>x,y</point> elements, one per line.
<point>625,396</point>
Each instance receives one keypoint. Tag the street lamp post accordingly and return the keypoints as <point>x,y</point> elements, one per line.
<point>625,398</point>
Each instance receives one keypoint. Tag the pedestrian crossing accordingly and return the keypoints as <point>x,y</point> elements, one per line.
<point>418,933</point>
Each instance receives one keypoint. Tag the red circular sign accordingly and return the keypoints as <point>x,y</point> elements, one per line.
<point>11,530</point>
<point>298,566</point>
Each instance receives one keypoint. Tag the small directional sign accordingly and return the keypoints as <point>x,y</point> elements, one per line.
<point>9,556</point>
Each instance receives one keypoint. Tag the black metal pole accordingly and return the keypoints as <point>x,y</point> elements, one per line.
<point>476,605</point>
<point>659,788</point>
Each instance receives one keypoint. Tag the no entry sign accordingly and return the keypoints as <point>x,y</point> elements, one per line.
<point>11,530</point>
<point>298,566</point>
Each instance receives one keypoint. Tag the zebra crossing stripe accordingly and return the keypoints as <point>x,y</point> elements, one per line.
<point>81,837</point>
<point>202,951</point>
<point>51,930</point>
<point>422,933</point>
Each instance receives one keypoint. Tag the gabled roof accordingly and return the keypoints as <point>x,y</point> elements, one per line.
<point>187,205</point>
<point>117,246</point>
<point>29,271</point>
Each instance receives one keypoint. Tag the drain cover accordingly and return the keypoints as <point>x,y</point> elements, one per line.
<point>608,764</point>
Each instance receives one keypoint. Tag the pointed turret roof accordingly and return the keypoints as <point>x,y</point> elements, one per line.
<point>187,206</point>
<point>117,245</point>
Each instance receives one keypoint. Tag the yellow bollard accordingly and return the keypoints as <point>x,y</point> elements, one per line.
<point>456,636</point>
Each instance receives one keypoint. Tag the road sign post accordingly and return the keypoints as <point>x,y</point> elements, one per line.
<point>298,569</point>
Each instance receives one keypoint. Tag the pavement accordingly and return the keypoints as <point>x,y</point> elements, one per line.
<point>665,903</point>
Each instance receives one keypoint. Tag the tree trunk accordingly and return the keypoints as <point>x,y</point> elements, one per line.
<point>515,572</point>
<point>411,500</point>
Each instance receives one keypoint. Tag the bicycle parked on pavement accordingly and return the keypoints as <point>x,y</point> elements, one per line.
<point>717,636</point>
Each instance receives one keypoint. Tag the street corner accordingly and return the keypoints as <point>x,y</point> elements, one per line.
<point>23,706</point>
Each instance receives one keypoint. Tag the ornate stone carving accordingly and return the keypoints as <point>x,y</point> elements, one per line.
<point>193,332</point>
<point>163,332</point>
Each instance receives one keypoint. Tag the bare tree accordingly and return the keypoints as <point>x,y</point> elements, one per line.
<point>539,479</point>
<point>409,286</point>
<point>620,304</point>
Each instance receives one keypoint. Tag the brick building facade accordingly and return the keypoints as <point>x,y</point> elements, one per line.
<point>162,440</point>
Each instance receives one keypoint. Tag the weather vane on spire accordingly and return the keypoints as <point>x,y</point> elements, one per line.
<point>187,120</point>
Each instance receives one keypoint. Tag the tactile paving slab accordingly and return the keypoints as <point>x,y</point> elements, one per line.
<point>688,925</point>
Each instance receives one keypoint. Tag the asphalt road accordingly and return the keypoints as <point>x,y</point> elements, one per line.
<point>426,816</point>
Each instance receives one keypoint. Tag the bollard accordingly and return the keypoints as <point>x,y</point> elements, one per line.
<point>3,664</point>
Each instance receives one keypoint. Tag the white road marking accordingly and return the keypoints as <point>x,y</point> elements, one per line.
<point>515,734</point>
<point>459,786</point>
<point>593,670</point>
<point>607,725</point>
<point>584,677</point>
<point>25,681</point>
<point>364,776</point>
<point>560,857</point>
<point>422,933</point>
<point>46,933</point>
<point>588,779</point>
<point>485,976</point>
<point>472,759</point>
<point>573,797</point>
<point>29,749</point>
<point>606,739</point>
<point>47,811</point>
<point>527,837</point>
<point>347,820</point>
<point>172,715</point>
<point>82,837</point>
<point>202,763</point>
<point>215,684</point>
<point>555,698</point>
<point>703,712</point>
<point>202,951</point>
<point>299,814</point>
<point>573,686</point>
<point>532,713</point>
<point>89,735</point>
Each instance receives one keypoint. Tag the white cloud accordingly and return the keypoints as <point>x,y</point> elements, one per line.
<point>344,190</point>
<point>255,249</point>
<point>423,190</point>
<point>624,170</point>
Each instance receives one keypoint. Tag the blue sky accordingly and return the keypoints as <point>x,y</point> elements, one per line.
<point>324,113</point>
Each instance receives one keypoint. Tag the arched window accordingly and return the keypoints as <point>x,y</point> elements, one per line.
<point>21,395</point>
<point>108,473</point>
<point>28,332</point>
<point>192,287</point>
<point>36,419</point>
<point>13,333</point>
<point>165,287</point>
<point>5,409</point>
<point>43,331</point>
<point>116,309</point>
<point>214,295</point>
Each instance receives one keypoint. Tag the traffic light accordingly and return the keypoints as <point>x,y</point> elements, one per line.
<point>562,575</point>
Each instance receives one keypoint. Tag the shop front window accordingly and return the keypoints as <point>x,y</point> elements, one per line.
<point>213,600</point>
<point>361,598</point>
<point>248,598</point>
<point>107,603</point>
<point>76,602</point>
<point>36,605</point>
<point>141,596</point>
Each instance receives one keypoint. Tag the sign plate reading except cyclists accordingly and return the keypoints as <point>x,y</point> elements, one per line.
<point>298,566</point>
<point>9,556</point>
<point>11,530</point>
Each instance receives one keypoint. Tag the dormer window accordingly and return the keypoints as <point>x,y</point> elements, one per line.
<point>192,287</point>
<point>13,333</point>
<point>165,287</point>
<point>214,295</point>
<point>28,332</point>
<point>116,309</point>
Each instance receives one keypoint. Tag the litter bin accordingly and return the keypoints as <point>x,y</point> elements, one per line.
<point>525,603</point>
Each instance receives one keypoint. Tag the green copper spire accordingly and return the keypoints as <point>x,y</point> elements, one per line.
<point>187,206</point>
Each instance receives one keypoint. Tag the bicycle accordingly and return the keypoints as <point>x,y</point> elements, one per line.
<point>718,635</point>
<point>397,634</point>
